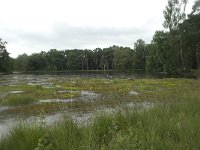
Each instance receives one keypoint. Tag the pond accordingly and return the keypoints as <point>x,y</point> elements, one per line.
<point>80,96</point>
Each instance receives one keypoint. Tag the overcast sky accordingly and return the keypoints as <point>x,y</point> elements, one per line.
<point>39,25</point>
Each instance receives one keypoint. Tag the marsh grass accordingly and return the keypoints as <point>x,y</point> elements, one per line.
<point>18,99</point>
<point>173,122</point>
<point>169,126</point>
<point>21,134</point>
<point>113,93</point>
<point>31,94</point>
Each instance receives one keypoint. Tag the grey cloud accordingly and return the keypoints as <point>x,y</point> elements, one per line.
<point>64,36</point>
<point>80,36</point>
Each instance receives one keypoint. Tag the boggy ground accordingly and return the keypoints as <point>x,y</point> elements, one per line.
<point>171,123</point>
<point>90,93</point>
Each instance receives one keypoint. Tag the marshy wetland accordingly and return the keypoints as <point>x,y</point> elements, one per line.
<point>98,112</point>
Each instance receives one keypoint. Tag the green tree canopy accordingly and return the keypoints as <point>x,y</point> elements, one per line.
<point>123,58</point>
<point>6,63</point>
<point>140,54</point>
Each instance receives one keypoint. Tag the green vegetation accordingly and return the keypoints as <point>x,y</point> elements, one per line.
<point>29,94</point>
<point>112,92</point>
<point>14,100</point>
<point>6,63</point>
<point>170,126</point>
<point>172,122</point>
<point>174,51</point>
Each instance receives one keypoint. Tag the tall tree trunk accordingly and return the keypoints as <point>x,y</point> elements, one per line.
<point>197,58</point>
<point>182,58</point>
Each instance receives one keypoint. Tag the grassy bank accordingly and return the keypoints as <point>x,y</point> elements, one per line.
<point>170,126</point>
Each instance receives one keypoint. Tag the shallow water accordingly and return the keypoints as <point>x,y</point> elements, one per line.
<point>3,108</point>
<point>84,96</point>
<point>6,124</point>
<point>57,100</point>
<point>7,121</point>
<point>133,93</point>
<point>82,118</point>
<point>16,92</point>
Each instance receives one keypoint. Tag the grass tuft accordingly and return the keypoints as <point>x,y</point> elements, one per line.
<point>18,99</point>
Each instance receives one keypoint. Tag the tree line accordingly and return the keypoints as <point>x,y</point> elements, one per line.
<point>175,50</point>
<point>6,62</point>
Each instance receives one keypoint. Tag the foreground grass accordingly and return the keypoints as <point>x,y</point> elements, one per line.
<point>170,126</point>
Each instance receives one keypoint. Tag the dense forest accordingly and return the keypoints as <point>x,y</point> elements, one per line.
<point>175,50</point>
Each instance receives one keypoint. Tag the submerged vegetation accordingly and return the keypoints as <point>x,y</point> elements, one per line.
<point>171,121</point>
<point>87,92</point>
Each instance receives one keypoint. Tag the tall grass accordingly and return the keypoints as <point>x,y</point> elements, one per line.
<point>21,137</point>
<point>166,126</point>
